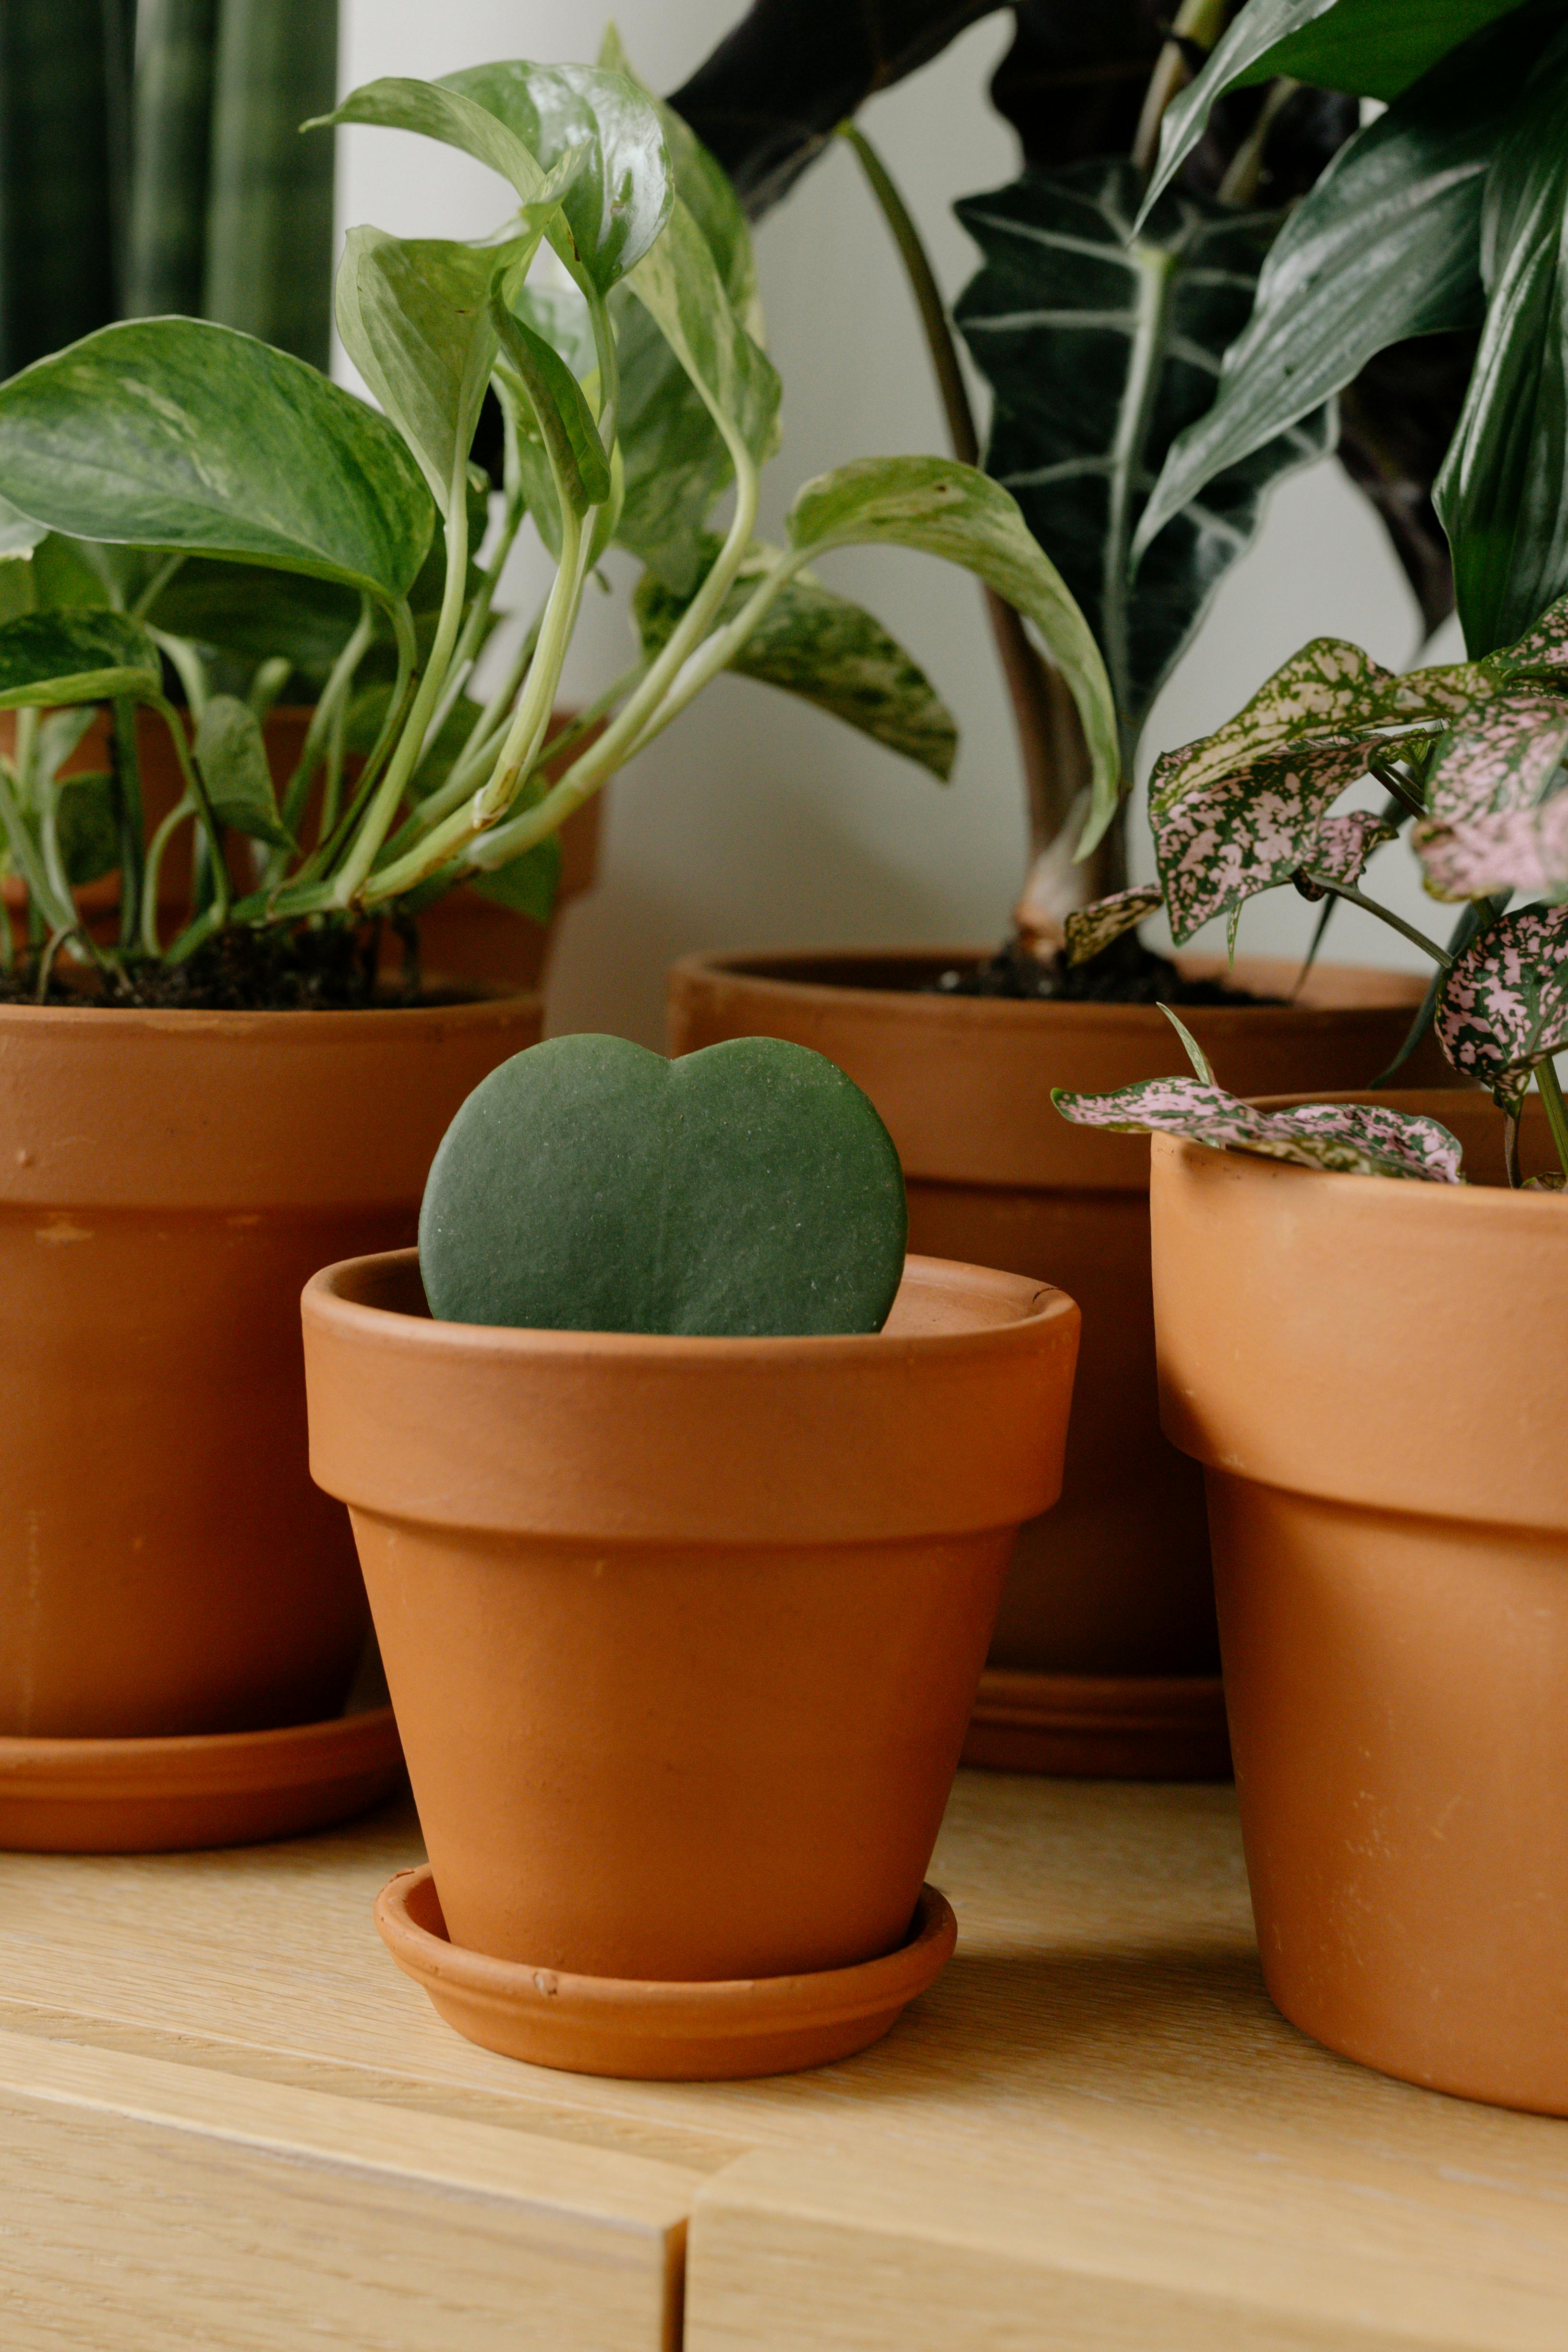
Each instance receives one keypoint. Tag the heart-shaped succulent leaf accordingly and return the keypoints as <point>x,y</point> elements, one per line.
<point>1503,1004</point>
<point>746,1191</point>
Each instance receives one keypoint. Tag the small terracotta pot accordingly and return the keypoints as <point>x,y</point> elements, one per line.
<point>1373,1375</point>
<point>167,1182</point>
<point>682,1634</point>
<point>1109,1602</point>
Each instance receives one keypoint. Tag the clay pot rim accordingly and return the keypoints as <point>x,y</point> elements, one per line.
<point>324,1301</point>
<point>331,1024</point>
<point>760,969</point>
<point>1373,1192</point>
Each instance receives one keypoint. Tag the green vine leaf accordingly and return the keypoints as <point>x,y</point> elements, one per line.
<point>83,655</point>
<point>232,757</point>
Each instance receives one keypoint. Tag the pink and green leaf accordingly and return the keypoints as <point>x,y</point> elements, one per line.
<point>1328,688</point>
<point>1544,646</point>
<point>1353,1139</point>
<point>1503,1004</point>
<point>1500,757</point>
<point>1520,849</point>
<point>1342,849</point>
<point>1249,832</point>
<point>1090,929</point>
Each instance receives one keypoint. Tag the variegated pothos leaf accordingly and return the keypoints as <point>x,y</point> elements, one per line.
<point>1503,1004</point>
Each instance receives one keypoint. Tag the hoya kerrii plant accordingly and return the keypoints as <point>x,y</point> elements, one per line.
<point>1470,755</point>
<point>1116,273</point>
<point>214,489</point>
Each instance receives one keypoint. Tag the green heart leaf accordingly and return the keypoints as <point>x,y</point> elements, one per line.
<point>826,650</point>
<point>747,1191</point>
<point>75,656</point>
<point>1101,347</point>
<point>957,512</point>
<point>1503,491</point>
<point>1373,48</point>
<point>618,202</point>
<point>1387,246</point>
<point>232,757</point>
<point>175,433</point>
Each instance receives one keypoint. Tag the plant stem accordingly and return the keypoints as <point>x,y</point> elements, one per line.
<point>196,791</point>
<point>1550,1090</point>
<point>333,694</point>
<point>1370,907</point>
<point>1244,169</point>
<point>1043,725</point>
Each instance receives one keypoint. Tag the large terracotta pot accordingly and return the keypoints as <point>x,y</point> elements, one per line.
<point>463,936</point>
<point>167,1182</point>
<point>1374,1376</point>
<point>682,1634</point>
<point>1105,1659</point>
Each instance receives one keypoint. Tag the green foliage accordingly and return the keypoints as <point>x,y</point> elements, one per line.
<point>54,657</point>
<point>232,757</point>
<point>746,1191</point>
<point>268,262</point>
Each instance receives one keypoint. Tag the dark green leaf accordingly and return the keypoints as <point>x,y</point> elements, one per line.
<point>269,207</point>
<point>1102,349</point>
<point>1373,48</point>
<point>240,608</point>
<point>173,433</point>
<point>75,656</point>
<point>1503,493</point>
<point>529,884</point>
<point>828,651</point>
<point>232,758</point>
<point>747,1190</point>
<point>1387,246</point>
<point>166,241</point>
<point>87,826</point>
<point>58,104</point>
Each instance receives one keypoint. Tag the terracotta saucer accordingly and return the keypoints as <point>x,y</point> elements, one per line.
<point>659,2033</point>
<point>1101,1727</point>
<point>160,1796</point>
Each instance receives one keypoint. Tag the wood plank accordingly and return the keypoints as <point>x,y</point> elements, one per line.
<point>152,2207</point>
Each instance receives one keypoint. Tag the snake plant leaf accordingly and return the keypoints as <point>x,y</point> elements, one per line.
<point>166,236</point>
<point>59,98</point>
<point>748,1190</point>
<point>1341,848</point>
<point>268,248</point>
<point>87,826</point>
<point>232,758</point>
<point>826,650</point>
<point>618,202</point>
<point>1351,1138</point>
<point>177,433</point>
<point>1387,246</point>
<point>75,656</point>
<point>1373,48</point>
<point>679,284</point>
<point>958,513</point>
<point>1503,491</point>
<point>1523,850</point>
<point>1100,348</point>
<point>1502,1007</point>
<point>1089,928</point>
<point>565,423</point>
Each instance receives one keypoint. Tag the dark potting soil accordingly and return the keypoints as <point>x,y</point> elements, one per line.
<point>1126,973</point>
<point>328,969</point>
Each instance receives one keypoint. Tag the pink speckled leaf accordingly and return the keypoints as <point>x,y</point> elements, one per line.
<point>1342,847</point>
<point>1522,849</point>
<point>1500,756</point>
<point>1249,832</point>
<point>1544,646</point>
<point>1355,1138</point>
<point>1503,1004</point>
<point>1089,928</point>
<point>1329,688</point>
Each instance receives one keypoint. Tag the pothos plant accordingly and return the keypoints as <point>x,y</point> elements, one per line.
<point>1470,755</point>
<point>214,492</point>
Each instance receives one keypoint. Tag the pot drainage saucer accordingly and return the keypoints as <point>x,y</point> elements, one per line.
<point>1101,1727</point>
<point>659,2033</point>
<point>162,1795</point>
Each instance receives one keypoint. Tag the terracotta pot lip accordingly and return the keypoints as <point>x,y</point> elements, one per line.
<point>1377,1195</point>
<point>758,968</point>
<point>330,1025</point>
<point>324,1301</point>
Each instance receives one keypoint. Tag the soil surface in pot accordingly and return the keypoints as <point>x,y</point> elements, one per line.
<point>334,968</point>
<point>1125,972</point>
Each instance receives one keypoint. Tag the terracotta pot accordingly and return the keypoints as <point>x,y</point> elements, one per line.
<point>682,1634</point>
<point>463,936</point>
<point>1374,1376</point>
<point>1105,1659</point>
<point>167,1182</point>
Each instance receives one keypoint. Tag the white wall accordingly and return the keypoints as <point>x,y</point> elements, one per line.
<point>753,820</point>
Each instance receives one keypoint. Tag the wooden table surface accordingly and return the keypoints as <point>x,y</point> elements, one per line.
<point>226,2121</point>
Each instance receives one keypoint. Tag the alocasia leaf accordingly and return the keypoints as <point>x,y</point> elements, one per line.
<point>173,433</point>
<point>1503,1004</point>
<point>1524,849</point>
<point>1100,348</point>
<point>75,656</point>
<point>828,651</point>
<point>1373,48</point>
<point>1351,1139</point>
<point>1503,492</point>
<point>1387,246</point>
<point>1089,928</point>
<point>958,513</point>
<point>232,758</point>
